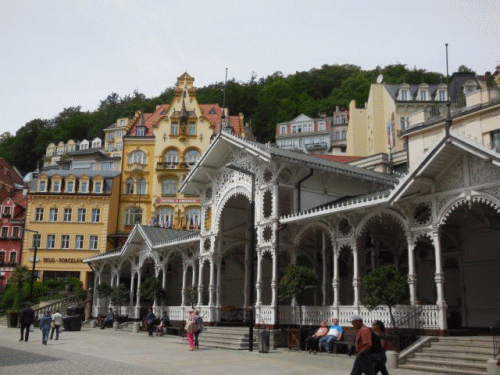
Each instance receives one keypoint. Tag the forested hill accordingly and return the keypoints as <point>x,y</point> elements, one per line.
<point>264,102</point>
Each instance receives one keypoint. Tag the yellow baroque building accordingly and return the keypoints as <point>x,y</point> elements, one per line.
<point>159,150</point>
<point>69,214</point>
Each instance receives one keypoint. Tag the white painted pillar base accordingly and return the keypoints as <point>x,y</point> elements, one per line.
<point>116,325</point>
<point>93,323</point>
<point>392,359</point>
<point>492,368</point>
<point>136,327</point>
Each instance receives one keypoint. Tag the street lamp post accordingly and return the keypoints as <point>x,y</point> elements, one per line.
<point>34,261</point>
<point>252,252</point>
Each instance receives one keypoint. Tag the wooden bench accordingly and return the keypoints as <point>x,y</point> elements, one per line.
<point>176,328</point>
<point>346,340</point>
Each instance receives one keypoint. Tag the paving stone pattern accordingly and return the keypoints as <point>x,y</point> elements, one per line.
<point>95,351</point>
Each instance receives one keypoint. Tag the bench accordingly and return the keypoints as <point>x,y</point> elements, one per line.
<point>346,340</point>
<point>176,328</point>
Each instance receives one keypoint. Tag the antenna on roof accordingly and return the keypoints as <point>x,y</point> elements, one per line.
<point>223,118</point>
<point>448,104</point>
<point>225,85</point>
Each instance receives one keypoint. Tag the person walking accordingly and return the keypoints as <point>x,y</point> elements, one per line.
<point>198,327</point>
<point>45,326</point>
<point>189,327</point>
<point>378,328</point>
<point>26,319</point>
<point>365,360</point>
<point>150,321</point>
<point>57,319</point>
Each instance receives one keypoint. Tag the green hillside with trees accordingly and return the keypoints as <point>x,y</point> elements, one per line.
<point>264,103</point>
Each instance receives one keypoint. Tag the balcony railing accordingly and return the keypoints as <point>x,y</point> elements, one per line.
<point>316,146</point>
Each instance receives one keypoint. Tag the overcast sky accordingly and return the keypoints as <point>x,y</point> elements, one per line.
<point>56,54</point>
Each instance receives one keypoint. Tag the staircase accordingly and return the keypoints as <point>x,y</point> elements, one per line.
<point>453,355</point>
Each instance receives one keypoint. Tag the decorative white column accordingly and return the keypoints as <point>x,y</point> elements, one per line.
<point>155,301</point>
<point>247,265</point>
<point>258,284</point>
<point>274,282</point>
<point>132,281</point>
<point>211,286</point>
<point>219,285</point>
<point>355,278</point>
<point>184,269</point>
<point>200,283</point>
<point>439,279</point>
<point>138,295</point>
<point>96,300</point>
<point>412,278</point>
<point>323,257</point>
<point>336,280</point>
<point>193,279</point>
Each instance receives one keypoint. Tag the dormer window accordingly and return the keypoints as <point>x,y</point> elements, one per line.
<point>70,186</point>
<point>212,111</point>
<point>442,95</point>
<point>42,187</point>
<point>283,129</point>
<point>423,95</point>
<point>97,187</point>
<point>55,186</point>
<point>404,94</point>
<point>164,112</point>
<point>84,187</point>
<point>141,131</point>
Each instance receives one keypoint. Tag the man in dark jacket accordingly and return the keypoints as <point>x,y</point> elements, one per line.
<point>27,318</point>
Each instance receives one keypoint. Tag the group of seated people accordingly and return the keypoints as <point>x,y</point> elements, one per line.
<point>108,319</point>
<point>324,337</point>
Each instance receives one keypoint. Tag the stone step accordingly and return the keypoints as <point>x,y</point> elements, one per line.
<point>454,356</point>
<point>452,349</point>
<point>456,364</point>
<point>440,370</point>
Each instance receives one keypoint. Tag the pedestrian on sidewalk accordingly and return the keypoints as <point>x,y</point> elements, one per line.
<point>189,327</point>
<point>27,318</point>
<point>365,361</point>
<point>57,321</point>
<point>45,326</point>
<point>150,321</point>
<point>198,327</point>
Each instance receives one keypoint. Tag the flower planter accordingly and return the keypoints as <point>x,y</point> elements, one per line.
<point>12,319</point>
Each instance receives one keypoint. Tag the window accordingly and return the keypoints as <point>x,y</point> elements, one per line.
<point>171,156</point>
<point>37,240</point>
<point>53,214</point>
<point>65,241</point>
<point>495,140</point>
<point>5,232</point>
<point>55,186</point>
<point>138,157</point>
<point>141,186</point>
<point>164,217</point>
<point>141,131</point>
<point>322,125</point>
<point>192,128</point>
<point>13,257</point>
<point>404,94</point>
<point>110,147</point>
<point>93,243</point>
<point>111,136</point>
<point>67,214</point>
<point>212,111</point>
<point>39,214</point>
<point>169,187</point>
<point>119,134</point>
<point>192,156</point>
<point>51,241</point>
<point>70,186</point>
<point>81,215</point>
<point>423,95</point>
<point>43,186</point>
<point>2,256</point>
<point>118,146</point>
<point>442,95</point>
<point>404,123</point>
<point>84,186</point>
<point>96,215</point>
<point>344,135</point>
<point>97,186</point>
<point>192,218</point>
<point>129,186</point>
<point>294,128</point>
<point>283,129</point>
<point>133,216</point>
<point>175,128</point>
<point>108,166</point>
<point>15,232</point>
<point>78,241</point>
<point>6,211</point>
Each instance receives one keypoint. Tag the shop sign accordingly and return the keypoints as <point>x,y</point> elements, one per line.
<point>62,260</point>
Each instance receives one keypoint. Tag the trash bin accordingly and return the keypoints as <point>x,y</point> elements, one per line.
<point>264,341</point>
<point>72,323</point>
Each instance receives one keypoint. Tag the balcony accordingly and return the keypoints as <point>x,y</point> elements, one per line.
<point>316,146</point>
<point>163,165</point>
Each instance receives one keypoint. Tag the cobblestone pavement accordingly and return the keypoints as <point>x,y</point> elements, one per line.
<point>95,351</point>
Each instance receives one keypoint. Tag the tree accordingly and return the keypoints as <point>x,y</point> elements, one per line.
<point>151,289</point>
<point>385,286</point>
<point>295,282</point>
<point>17,279</point>
<point>104,291</point>
<point>120,295</point>
<point>190,295</point>
<point>465,69</point>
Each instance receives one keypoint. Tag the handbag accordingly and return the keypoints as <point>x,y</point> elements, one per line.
<point>52,324</point>
<point>189,326</point>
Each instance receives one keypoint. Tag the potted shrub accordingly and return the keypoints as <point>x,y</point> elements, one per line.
<point>104,291</point>
<point>19,277</point>
<point>294,283</point>
<point>120,296</point>
<point>190,296</point>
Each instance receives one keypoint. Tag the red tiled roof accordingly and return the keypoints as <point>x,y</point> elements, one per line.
<point>8,175</point>
<point>150,119</point>
<point>19,199</point>
<point>214,119</point>
<point>338,158</point>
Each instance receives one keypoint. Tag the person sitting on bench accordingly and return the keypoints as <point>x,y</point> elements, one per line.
<point>334,333</point>
<point>312,341</point>
<point>108,320</point>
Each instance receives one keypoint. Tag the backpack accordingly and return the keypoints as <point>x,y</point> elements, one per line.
<point>189,326</point>
<point>376,344</point>
<point>199,324</point>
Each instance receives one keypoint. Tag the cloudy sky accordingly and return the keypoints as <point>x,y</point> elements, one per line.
<point>56,54</point>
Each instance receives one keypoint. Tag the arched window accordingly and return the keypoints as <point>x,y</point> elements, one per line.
<point>129,186</point>
<point>171,157</point>
<point>169,186</point>
<point>133,216</point>
<point>141,186</point>
<point>193,218</point>
<point>165,217</point>
<point>138,157</point>
<point>192,156</point>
